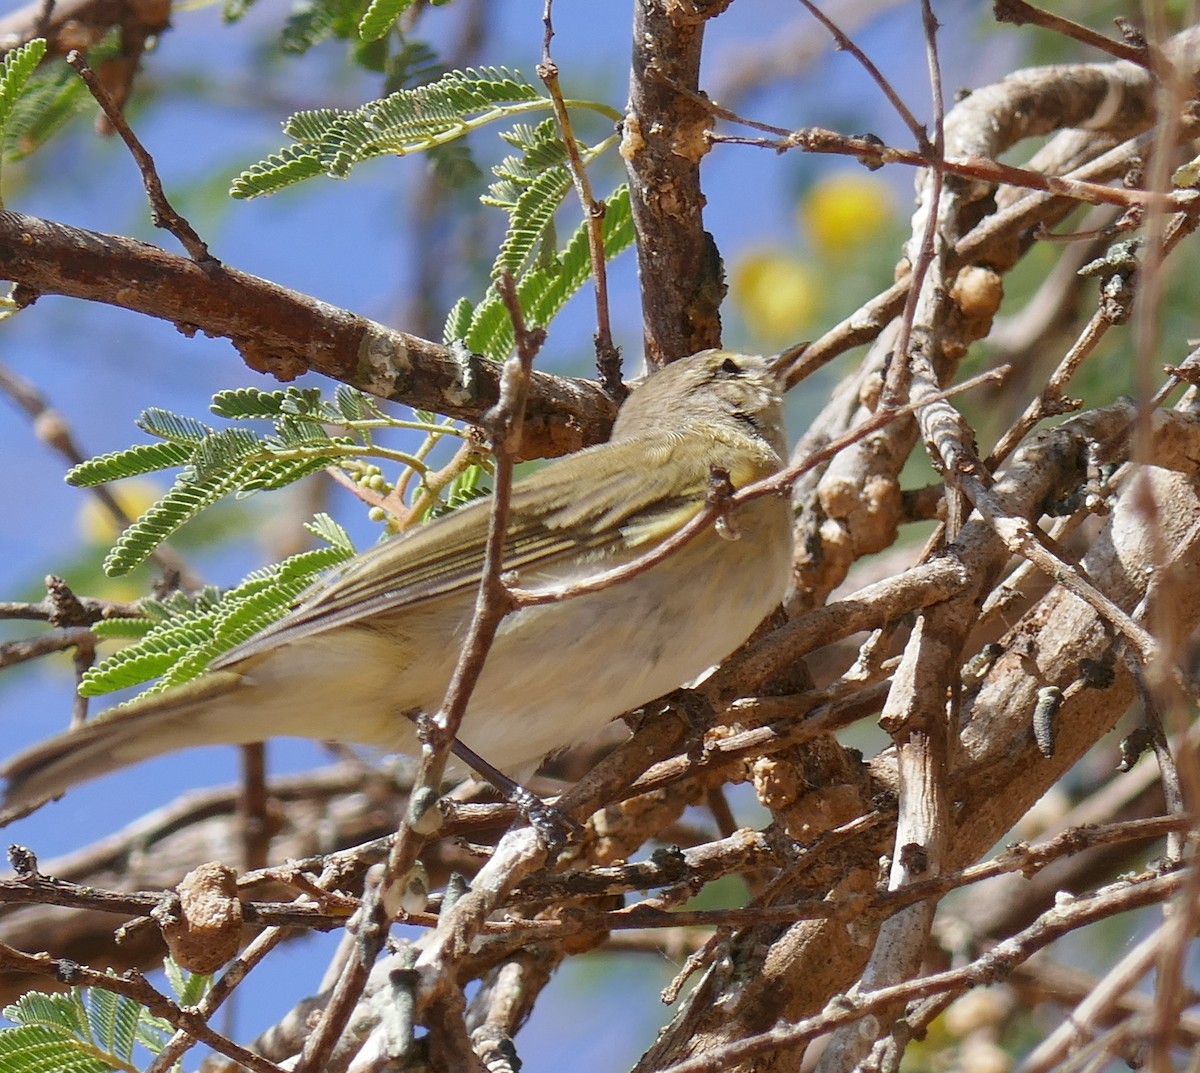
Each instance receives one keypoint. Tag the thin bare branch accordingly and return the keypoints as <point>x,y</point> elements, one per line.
<point>161,211</point>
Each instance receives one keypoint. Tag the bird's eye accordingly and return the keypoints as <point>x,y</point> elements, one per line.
<point>730,367</point>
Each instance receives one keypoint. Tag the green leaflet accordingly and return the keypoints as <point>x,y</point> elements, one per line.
<point>313,21</point>
<point>221,452</point>
<point>468,485</point>
<point>332,141</point>
<point>181,503</point>
<point>53,96</point>
<point>135,460</point>
<point>89,1030</point>
<point>378,18</point>
<point>171,426</point>
<point>532,219</point>
<point>292,164</point>
<point>239,460</point>
<point>180,646</point>
<point>153,655</point>
<point>242,616</point>
<point>15,69</point>
<point>116,629</point>
<point>246,402</point>
<point>530,186</point>
<point>113,1020</point>
<point>189,987</point>
<point>323,527</point>
<point>458,321</point>
<point>543,292</point>
<point>84,1031</point>
<point>412,64</point>
<point>541,148</point>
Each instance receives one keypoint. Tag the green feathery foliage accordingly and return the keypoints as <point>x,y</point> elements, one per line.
<point>466,486</point>
<point>247,402</point>
<point>155,611</point>
<point>352,405</point>
<point>233,10</point>
<point>89,1030</point>
<point>543,291</point>
<point>173,427</point>
<point>181,637</point>
<point>86,1030</point>
<point>292,164</point>
<point>188,987</point>
<point>541,148</point>
<point>458,322</point>
<point>531,223</point>
<point>132,461</point>
<point>53,96</point>
<point>308,23</point>
<point>530,185</point>
<point>179,505</point>
<point>413,63</point>
<point>379,16</point>
<point>332,140</point>
<point>121,629</point>
<point>160,649</point>
<point>238,461</point>
<point>312,21</point>
<point>530,188</point>
<point>368,26</point>
<point>36,98</point>
<point>453,165</point>
<point>15,69</point>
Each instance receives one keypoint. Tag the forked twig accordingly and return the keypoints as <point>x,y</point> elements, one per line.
<point>162,212</point>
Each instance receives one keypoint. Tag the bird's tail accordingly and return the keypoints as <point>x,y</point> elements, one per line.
<point>147,727</point>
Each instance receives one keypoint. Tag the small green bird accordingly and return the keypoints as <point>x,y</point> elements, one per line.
<point>376,641</point>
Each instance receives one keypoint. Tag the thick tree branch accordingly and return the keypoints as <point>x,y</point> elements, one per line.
<point>284,333</point>
<point>666,133</point>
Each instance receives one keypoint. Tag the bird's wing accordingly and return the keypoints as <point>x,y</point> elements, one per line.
<point>552,519</point>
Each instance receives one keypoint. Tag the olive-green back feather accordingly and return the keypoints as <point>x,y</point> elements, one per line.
<point>552,520</point>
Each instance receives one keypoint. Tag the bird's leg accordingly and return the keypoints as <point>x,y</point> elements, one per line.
<point>553,827</point>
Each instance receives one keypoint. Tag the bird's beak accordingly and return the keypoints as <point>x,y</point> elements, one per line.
<point>781,365</point>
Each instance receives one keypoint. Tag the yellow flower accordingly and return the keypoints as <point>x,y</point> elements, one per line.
<point>777,293</point>
<point>845,211</point>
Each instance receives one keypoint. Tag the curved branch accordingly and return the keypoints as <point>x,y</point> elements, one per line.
<point>284,333</point>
